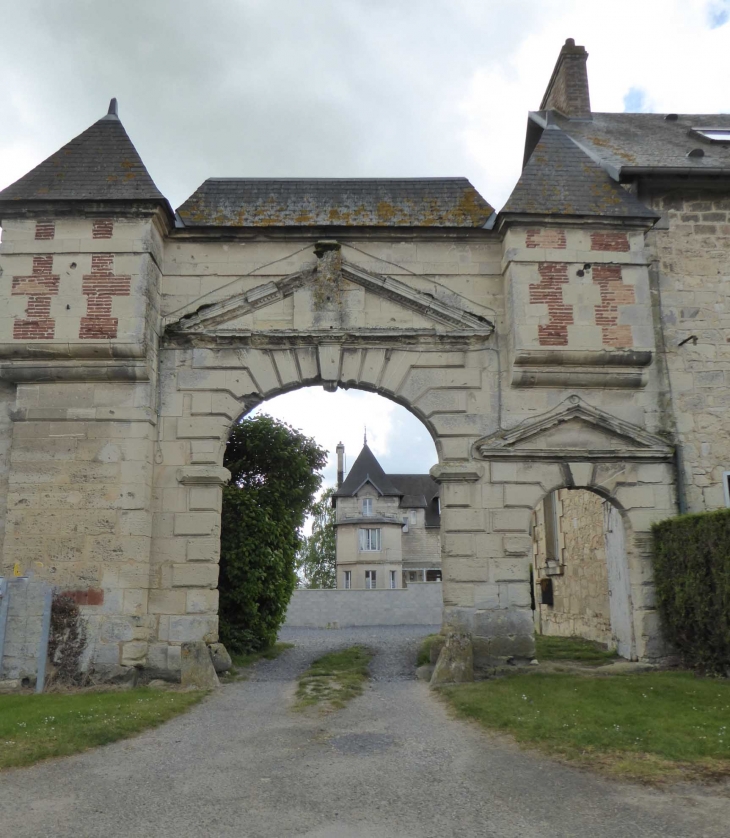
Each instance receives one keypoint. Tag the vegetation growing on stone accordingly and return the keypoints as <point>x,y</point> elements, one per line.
<point>692,577</point>
<point>274,479</point>
<point>66,640</point>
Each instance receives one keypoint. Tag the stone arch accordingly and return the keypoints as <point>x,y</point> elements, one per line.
<point>572,446</point>
<point>204,391</point>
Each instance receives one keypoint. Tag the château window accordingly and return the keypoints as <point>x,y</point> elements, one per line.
<point>369,540</point>
<point>392,579</point>
<point>348,580</point>
<point>370,581</point>
<point>367,506</point>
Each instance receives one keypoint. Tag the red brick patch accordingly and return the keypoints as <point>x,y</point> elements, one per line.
<point>45,230</point>
<point>617,242</point>
<point>546,238</point>
<point>553,275</point>
<point>100,286</point>
<point>613,294</point>
<point>39,287</point>
<point>90,596</point>
<point>102,228</point>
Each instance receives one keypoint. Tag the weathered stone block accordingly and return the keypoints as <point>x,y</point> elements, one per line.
<point>197,668</point>
<point>194,575</point>
<point>455,663</point>
<point>197,523</point>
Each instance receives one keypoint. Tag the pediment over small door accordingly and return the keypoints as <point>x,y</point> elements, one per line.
<point>348,299</point>
<point>575,431</point>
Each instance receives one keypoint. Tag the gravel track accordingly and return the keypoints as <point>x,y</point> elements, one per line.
<point>392,764</point>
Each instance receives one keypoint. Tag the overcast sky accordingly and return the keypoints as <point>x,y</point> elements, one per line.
<point>336,88</point>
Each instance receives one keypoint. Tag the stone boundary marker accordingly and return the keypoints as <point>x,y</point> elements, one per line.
<point>22,604</point>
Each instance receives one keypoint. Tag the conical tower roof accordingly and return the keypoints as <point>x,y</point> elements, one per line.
<point>560,179</point>
<point>367,468</point>
<point>101,164</point>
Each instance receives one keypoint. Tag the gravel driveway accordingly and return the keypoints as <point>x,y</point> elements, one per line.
<point>390,765</point>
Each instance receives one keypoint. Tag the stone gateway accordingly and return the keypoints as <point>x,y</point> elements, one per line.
<point>576,339</point>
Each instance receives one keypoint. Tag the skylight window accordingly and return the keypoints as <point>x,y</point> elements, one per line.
<point>714,135</point>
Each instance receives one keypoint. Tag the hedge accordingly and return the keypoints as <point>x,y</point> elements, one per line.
<point>692,574</point>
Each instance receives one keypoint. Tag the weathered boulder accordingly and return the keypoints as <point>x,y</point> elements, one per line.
<point>197,668</point>
<point>220,657</point>
<point>424,673</point>
<point>456,661</point>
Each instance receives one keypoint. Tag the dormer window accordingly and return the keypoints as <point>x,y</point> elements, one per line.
<point>367,506</point>
<point>714,135</point>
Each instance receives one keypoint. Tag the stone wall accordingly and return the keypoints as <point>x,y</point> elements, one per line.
<point>417,605</point>
<point>691,277</point>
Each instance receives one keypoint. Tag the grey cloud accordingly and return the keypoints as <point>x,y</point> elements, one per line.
<point>318,88</point>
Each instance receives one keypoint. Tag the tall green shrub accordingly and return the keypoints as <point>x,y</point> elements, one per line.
<point>274,478</point>
<point>692,573</point>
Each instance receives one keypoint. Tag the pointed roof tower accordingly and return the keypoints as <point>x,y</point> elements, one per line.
<point>560,179</point>
<point>100,165</point>
<point>367,469</point>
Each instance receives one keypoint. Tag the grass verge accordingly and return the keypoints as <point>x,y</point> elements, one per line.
<point>424,652</point>
<point>35,727</point>
<point>333,680</point>
<point>572,649</point>
<point>654,727</point>
<point>242,662</point>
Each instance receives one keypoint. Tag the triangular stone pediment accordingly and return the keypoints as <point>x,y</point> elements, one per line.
<point>573,431</point>
<point>347,299</point>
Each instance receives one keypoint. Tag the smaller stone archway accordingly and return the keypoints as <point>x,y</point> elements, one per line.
<point>581,582</point>
<point>573,446</point>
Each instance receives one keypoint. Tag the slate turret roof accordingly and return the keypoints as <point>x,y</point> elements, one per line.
<point>101,164</point>
<point>335,202</point>
<point>366,467</point>
<point>560,179</point>
<point>416,491</point>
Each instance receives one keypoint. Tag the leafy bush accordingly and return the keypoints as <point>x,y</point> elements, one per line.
<point>692,573</point>
<point>274,479</point>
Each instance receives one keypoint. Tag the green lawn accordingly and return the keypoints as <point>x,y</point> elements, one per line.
<point>35,727</point>
<point>650,726</point>
<point>334,679</point>
<point>572,649</point>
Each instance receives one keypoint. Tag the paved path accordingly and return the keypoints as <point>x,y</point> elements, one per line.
<point>391,765</point>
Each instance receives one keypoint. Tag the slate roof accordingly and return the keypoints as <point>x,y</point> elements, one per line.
<point>420,491</point>
<point>560,179</point>
<point>101,164</point>
<point>366,467</point>
<point>626,141</point>
<point>335,202</point>
<point>416,491</point>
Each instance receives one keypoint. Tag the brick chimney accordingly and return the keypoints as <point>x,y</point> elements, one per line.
<point>340,449</point>
<point>567,91</point>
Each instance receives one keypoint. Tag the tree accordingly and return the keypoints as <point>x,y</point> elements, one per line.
<point>316,557</point>
<point>274,479</point>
